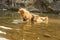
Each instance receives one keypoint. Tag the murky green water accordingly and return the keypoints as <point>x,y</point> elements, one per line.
<point>30,31</point>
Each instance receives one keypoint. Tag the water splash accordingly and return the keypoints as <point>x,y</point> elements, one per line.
<point>3,39</point>
<point>5,27</point>
<point>1,32</point>
<point>17,21</point>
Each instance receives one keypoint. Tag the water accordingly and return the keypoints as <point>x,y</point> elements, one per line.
<point>30,31</point>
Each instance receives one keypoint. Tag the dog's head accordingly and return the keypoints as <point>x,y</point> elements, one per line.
<point>21,11</point>
<point>24,13</point>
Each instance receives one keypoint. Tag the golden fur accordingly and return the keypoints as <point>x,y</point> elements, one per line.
<point>41,19</point>
<point>26,15</point>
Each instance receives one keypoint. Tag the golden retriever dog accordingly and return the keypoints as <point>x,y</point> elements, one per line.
<point>27,16</point>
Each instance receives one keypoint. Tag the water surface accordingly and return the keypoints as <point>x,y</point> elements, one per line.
<point>30,31</point>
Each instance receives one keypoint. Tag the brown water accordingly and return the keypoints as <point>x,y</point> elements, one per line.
<point>30,31</point>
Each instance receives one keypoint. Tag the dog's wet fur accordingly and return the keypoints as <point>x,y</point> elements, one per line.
<point>26,15</point>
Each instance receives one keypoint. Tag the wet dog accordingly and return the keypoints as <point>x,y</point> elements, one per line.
<point>27,16</point>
